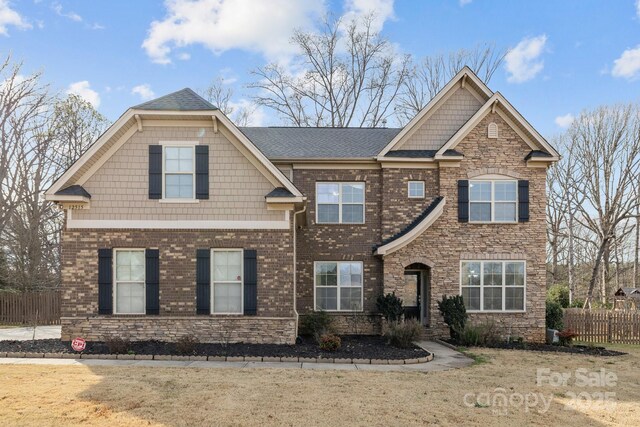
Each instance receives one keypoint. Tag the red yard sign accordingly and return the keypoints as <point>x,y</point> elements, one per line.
<point>78,344</point>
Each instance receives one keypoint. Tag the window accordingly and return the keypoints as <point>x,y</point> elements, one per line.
<point>493,285</point>
<point>179,176</point>
<point>493,201</point>
<point>338,286</point>
<point>340,203</point>
<point>227,281</point>
<point>416,189</point>
<point>129,275</point>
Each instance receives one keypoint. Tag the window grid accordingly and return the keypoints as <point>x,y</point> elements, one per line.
<point>179,173</point>
<point>504,287</point>
<point>416,189</point>
<point>339,287</point>
<point>340,202</point>
<point>215,282</point>
<point>117,282</point>
<point>493,202</point>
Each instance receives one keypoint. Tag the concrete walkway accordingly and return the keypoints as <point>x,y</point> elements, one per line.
<point>444,359</point>
<point>25,334</point>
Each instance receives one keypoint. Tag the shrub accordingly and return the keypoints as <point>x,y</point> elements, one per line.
<point>330,342</point>
<point>560,294</point>
<point>316,324</point>
<point>484,334</point>
<point>577,303</point>
<point>186,344</point>
<point>403,334</point>
<point>566,336</point>
<point>117,345</point>
<point>390,306</point>
<point>553,317</point>
<point>454,313</point>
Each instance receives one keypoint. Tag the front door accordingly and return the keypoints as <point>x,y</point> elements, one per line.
<point>412,295</point>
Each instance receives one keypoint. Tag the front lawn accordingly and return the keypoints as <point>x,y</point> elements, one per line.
<point>100,395</point>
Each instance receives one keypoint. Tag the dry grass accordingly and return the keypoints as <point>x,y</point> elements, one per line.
<point>80,395</point>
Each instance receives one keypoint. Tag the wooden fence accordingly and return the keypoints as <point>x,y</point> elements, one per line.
<point>27,308</point>
<point>604,326</point>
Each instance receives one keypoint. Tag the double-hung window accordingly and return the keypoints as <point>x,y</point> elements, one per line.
<point>493,201</point>
<point>338,286</point>
<point>179,172</point>
<point>340,202</point>
<point>129,276</point>
<point>227,281</point>
<point>493,285</point>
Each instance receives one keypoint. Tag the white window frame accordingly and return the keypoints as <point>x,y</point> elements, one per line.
<point>504,286</point>
<point>213,282</point>
<point>493,202</point>
<point>178,144</point>
<point>115,281</point>
<point>340,203</point>
<point>339,309</point>
<point>421,196</point>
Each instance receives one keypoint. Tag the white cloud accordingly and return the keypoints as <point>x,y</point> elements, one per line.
<point>628,65</point>
<point>463,3</point>
<point>57,8</point>
<point>638,8</point>
<point>96,26</point>
<point>84,91</point>
<point>9,17</point>
<point>184,56</point>
<point>523,61</point>
<point>254,25</point>
<point>382,11</point>
<point>144,91</point>
<point>255,115</point>
<point>565,121</point>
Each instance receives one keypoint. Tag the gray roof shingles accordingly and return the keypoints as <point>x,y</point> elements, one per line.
<point>74,190</point>
<point>280,192</point>
<point>182,100</point>
<point>319,143</point>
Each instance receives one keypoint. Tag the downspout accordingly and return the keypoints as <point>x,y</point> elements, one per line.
<point>295,263</point>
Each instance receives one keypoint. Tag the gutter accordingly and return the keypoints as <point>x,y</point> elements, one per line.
<point>295,263</point>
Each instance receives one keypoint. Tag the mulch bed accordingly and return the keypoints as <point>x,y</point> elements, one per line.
<point>575,349</point>
<point>353,347</point>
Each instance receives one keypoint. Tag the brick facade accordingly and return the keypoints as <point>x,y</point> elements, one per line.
<point>275,315</point>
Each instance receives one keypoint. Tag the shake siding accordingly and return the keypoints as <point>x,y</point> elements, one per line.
<point>236,188</point>
<point>444,122</point>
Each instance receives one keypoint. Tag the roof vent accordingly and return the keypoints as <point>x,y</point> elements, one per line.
<point>493,131</point>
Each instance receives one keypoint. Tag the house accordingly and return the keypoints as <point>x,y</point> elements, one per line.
<point>178,222</point>
<point>627,299</point>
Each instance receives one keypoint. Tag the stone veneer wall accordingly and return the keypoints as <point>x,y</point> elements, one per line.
<point>275,317</point>
<point>448,241</point>
<point>339,242</point>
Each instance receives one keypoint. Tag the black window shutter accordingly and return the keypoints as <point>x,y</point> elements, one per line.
<point>105,281</point>
<point>202,171</point>
<point>152,275</point>
<point>463,200</point>
<point>250,282</point>
<point>523,200</point>
<point>155,171</point>
<point>203,281</point>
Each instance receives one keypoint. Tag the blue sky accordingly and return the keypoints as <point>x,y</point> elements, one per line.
<point>567,55</point>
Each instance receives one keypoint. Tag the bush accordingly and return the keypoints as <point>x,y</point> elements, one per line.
<point>553,318</point>
<point>566,337</point>
<point>117,345</point>
<point>316,324</point>
<point>454,313</point>
<point>330,342</point>
<point>577,303</point>
<point>403,334</point>
<point>390,306</point>
<point>484,334</point>
<point>186,344</point>
<point>560,294</point>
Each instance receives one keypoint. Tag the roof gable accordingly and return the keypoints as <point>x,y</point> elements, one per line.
<point>183,100</point>
<point>467,81</point>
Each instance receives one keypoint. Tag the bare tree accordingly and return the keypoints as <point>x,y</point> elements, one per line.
<point>348,76</point>
<point>428,76</point>
<point>220,94</point>
<point>606,151</point>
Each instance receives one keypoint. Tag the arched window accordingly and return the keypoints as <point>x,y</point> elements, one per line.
<point>493,130</point>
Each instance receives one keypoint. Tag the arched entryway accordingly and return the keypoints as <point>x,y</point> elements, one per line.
<point>416,292</point>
